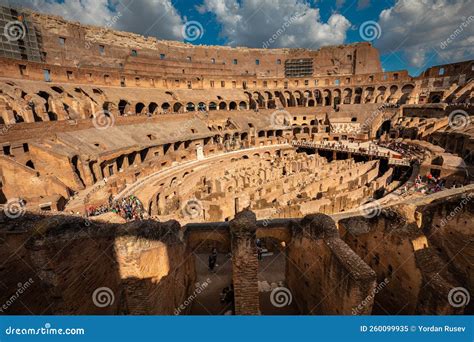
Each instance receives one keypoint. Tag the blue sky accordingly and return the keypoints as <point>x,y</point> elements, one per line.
<point>410,34</point>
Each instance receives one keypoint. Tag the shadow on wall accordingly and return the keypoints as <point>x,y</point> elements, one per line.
<point>66,265</point>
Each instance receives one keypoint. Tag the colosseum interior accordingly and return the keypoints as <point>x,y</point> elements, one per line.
<point>131,164</point>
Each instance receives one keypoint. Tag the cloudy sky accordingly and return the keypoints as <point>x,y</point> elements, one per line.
<point>411,34</point>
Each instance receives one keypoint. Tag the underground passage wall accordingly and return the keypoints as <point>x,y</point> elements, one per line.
<point>144,265</point>
<point>415,252</point>
<point>323,273</point>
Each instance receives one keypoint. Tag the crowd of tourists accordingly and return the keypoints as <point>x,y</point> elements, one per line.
<point>406,150</point>
<point>130,208</point>
<point>428,184</point>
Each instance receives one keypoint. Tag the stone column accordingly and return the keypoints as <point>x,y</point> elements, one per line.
<point>244,263</point>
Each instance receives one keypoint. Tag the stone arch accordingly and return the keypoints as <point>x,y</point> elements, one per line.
<point>123,107</point>
<point>222,106</point>
<point>178,107</point>
<point>212,106</point>
<point>407,89</point>
<point>190,107</point>
<point>165,106</point>
<point>347,96</point>
<point>152,107</point>
<point>139,108</point>
<point>290,99</point>
<point>318,97</point>
<point>337,97</point>
<point>369,94</point>
<point>380,97</point>
<point>327,97</point>
<point>300,99</point>
<point>232,105</point>
<point>358,95</point>
<point>202,107</point>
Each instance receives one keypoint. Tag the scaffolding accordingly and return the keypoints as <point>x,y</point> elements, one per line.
<point>302,67</point>
<point>18,37</point>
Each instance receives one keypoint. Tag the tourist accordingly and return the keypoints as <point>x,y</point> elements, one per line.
<point>213,260</point>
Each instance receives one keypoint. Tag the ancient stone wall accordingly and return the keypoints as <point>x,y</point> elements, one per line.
<point>323,273</point>
<point>411,276</point>
<point>85,267</point>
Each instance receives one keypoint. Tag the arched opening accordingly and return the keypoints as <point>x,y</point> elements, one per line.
<point>212,106</point>
<point>380,94</point>
<point>327,97</point>
<point>406,92</point>
<point>337,97</point>
<point>318,97</point>
<point>30,164</point>
<point>347,96</point>
<point>139,108</point>
<point>123,107</point>
<point>165,106</point>
<point>177,107</point>
<point>190,107</point>
<point>18,117</point>
<point>358,95</point>
<point>152,107</point>
<point>243,105</point>
<point>232,105</point>
<point>202,107</point>
<point>384,128</point>
<point>222,106</point>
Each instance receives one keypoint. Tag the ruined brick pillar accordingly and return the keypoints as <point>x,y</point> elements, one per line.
<point>244,263</point>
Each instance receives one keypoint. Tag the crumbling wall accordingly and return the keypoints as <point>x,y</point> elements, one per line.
<point>323,273</point>
<point>98,268</point>
<point>447,224</point>
<point>411,278</point>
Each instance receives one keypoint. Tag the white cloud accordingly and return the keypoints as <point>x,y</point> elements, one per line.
<point>156,18</point>
<point>253,22</point>
<point>419,29</point>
